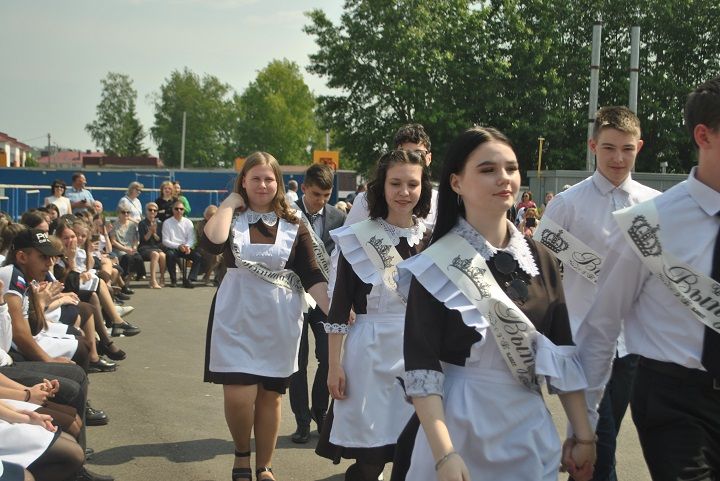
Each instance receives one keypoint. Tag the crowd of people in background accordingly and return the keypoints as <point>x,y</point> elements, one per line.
<point>65,285</point>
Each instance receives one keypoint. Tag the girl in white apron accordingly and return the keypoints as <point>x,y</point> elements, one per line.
<point>369,409</point>
<point>256,317</point>
<point>473,373</point>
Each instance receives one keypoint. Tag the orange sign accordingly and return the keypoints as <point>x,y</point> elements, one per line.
<point>239,162</point>
<point>327,157</point>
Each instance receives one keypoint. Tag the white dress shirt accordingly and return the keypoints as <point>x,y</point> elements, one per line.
<point>585,211</point>
<point>657,325</point>
<point>176,233</point>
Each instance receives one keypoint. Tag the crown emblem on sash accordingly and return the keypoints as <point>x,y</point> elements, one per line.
<point>475,274</point>
<point>382,250</point>
<point>645,237</point>
<point>554,241</point>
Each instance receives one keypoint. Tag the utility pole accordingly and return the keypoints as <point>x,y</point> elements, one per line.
<point>327,139</point>
<point>594,79</point>
<point>634,67</point>
<point>182,143</point>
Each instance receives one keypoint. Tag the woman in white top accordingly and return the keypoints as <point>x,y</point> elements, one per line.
<point>486,324</point>
<point>130,202</point>
<point>366,419</point>
<point>58,198</point>
<point>256,317</point>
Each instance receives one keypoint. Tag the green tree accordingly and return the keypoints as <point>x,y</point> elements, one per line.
<point>520,65</point>
<point>117,130</point>
<point>277,114</point>
<point>208,105</point>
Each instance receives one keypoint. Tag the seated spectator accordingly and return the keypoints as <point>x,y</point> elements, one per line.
<point>529,222</point>
<point>548,197</point>
<point>291,195</point>
<point>30,259</point>
<point>67,386</point>
<point>150,247</point>
<point>166,200</point>
<point>130,202</point>
<point>58,188</point>
<point>178,237</point>
<point>342,206</point>
<point>177,190</point>
<point>53,215</point>
<point>211,262</point>
<point>34,219</point>
<point>6,237</point>
<point>125,239</point>
<point>93,291</point>
<point>29,439</point>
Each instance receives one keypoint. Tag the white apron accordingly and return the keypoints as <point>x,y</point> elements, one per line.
<point>23,443</point>
<point>501,429</point>
<point>375,411</point>
<point>257,325</point>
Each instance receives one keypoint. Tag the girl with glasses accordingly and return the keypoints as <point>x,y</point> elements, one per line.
<point>486,325</point>
<point>150,247</point>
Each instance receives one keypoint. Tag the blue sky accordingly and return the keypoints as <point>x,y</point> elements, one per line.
<point>56,51</point>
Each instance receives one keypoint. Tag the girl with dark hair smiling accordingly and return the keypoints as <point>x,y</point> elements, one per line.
<point>369,409</point>
<point>486,322</point>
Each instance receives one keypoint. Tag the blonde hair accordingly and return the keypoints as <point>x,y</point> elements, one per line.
<point>279,204</point>
<point>167,183</point>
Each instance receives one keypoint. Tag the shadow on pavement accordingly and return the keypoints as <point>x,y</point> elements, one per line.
<point>180,452</point>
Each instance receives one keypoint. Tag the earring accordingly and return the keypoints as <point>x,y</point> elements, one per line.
<point>459,200</point>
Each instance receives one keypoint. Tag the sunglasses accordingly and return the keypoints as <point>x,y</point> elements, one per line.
<point>124,211</point>
<point>179,208</point>
<point>515,287</point>
<point>152,210</point>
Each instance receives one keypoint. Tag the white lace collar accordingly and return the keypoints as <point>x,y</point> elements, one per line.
<point>413,234</point>
<point>268,218</point>
<point>517,247</point>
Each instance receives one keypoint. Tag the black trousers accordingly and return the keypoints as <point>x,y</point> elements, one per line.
<point>73,383</point>
<point>299,402</point>
<point>172,255</point>
<point>133,263</point>
<point>677,414</point>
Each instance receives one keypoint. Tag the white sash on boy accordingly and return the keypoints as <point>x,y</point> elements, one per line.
<point>514,333</point>
<point>321,255</point>
<point>381,251</point>
<point>697,292</point>
<point>569,249</point>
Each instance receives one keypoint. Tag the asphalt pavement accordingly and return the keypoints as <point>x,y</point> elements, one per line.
<point>166,424</point>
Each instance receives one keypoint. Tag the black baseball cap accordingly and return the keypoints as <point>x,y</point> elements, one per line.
<point>36,239</point>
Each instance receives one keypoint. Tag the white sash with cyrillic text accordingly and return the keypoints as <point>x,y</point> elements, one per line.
<point>514,333</point>
<point>381,251</point>
<point>321,255</point>
<point>697,292</point>
<point>569,249</point>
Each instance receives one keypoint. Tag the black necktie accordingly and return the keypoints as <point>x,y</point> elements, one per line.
<point>711,343</point>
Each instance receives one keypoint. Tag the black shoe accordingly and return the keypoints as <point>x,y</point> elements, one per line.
<point>125,329</point>
<point>122,296</point>
<point>118,355</point>
<point>95,417</point>
<point>241,473</point>
<point>187,284</point>
<point>127,291</point>
<point>86,475</point>
<point>301,435</point>
<point>173,283</point>
<point>319,418</point>
<point>101,365</point>
<point>118,302</point>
